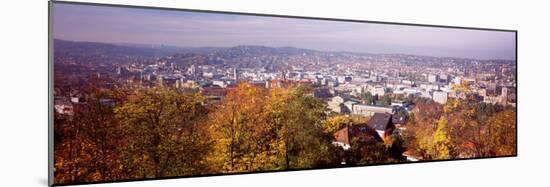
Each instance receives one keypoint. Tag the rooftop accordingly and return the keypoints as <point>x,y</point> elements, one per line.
<point>380,121</point>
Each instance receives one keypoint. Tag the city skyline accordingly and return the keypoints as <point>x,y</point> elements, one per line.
<point>196,29</point>
<point>128,112</point>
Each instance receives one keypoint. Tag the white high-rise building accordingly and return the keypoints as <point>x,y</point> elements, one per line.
<point>504,96</point>
<point>336,104</point>
<point>432,78</point>
<point>192,70</point>
<point>440,97</point>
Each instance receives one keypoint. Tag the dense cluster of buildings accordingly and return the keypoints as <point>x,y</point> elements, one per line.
<point>373,86</point>
<point>342,81</point>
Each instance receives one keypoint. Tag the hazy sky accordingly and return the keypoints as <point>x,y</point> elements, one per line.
<point>193,29</point>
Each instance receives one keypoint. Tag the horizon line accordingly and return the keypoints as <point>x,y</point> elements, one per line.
<point>127,44</point>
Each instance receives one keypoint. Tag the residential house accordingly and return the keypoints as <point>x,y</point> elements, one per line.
<point>382,123</point>
<point>379,127</point>
<point>358,132</point>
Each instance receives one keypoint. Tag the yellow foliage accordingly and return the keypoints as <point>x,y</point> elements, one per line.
<point>441,141</point>
<point>335,123</point>
<point>464,88</point>
<point>451,105</point>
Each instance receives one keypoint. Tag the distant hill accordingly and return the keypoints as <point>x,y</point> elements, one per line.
<point>90,49</point>
<point>149,51</point>
<point>72,48</point>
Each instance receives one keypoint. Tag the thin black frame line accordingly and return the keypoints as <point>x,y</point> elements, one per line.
<point>50,87</point>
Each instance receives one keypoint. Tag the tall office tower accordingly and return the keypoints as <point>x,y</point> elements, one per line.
<point>236,73</point>
<point>504,96</point>
<point>192,70</point>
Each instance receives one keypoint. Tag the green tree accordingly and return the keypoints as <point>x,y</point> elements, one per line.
<point>396,146</point>
<point>367,98</point>
<point>386,100</point>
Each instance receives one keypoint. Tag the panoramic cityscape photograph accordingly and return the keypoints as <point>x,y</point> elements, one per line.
<point>144,93</point>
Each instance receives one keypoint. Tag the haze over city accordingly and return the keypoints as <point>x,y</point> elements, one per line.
<point>197,29</point>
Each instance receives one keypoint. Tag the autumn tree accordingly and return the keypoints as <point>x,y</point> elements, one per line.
<point>162,131</point>
<point>501,133</point>
<point>257,129</point>
<point>365,152</point>
<point>297,119</point>
<point>101,127</point>
<point>442,147</point>
<point>335,123</point>
<point>421,127</point>
<point>85,141</point>
<point>74,151</point>
<point>241,134</point>
<point>471,126</point>
<point>465,129</point>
